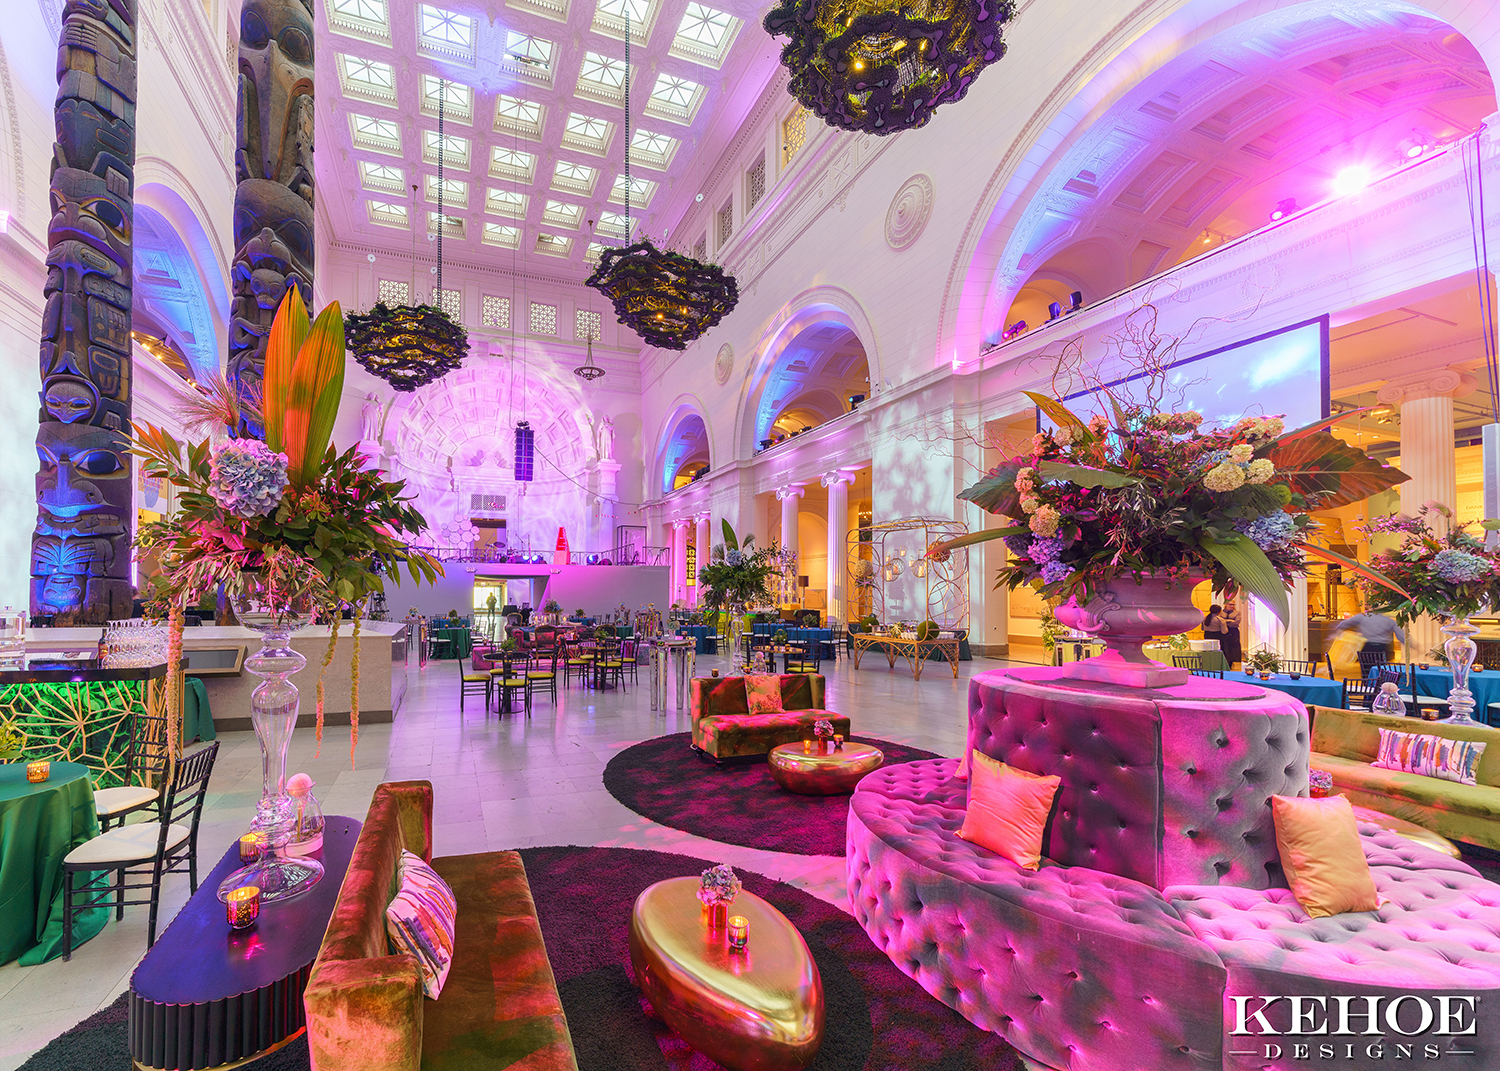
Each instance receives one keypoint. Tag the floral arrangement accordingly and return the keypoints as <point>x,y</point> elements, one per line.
<point>737,574</point>
<point>823,729</point>
<point>1319,784</point>
<point>1148,493</point>
<point>1263,660</point>
<point>552,606</point>
<point>1446,569</point>
<point>291,508</point>
<point>719,885</point>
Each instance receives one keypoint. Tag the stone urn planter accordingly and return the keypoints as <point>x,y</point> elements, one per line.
<point>1126,616</point>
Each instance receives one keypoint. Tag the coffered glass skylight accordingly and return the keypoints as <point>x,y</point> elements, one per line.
<point>377,135</point>
<point>453,226</point>
<point>367,79</point>
<point>387,214</point>
<point>445,33</point>
<point>553,245</point>
<point>505,203</point>
<point>529,55</point>
<point>587,134</point>
<point>609,19</point>
<point>512,164</point>
<point>365,19</point>
<point>704,36</point>
<point>675,99</point>
<point>612,224</point>
<point>569,177</point>
<point>455,191</point>
<point>375,176</point>
<point>641,191</point>
<point>501,234</point>
<point>602,78</point>
<point>455,150</point>
<point>562,214</point>
<point>556,10</point>
<point>459,105</point>
<point>592,253</point>
<point>652,150</point>
<point>516,116</point>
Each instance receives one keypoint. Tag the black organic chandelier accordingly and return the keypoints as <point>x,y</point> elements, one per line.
<point>409,346</point>
<point>880,67</point>
<point>665,297</point>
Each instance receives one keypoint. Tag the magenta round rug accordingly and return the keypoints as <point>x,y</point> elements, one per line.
<point>737,803</point>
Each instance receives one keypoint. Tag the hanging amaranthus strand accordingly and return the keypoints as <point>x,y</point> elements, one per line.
<point>354,688</point>
<point>174,683</point>
<point>333,642</point>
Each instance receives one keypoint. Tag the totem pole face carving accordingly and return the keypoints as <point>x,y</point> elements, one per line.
<point>273,203</point>
<point>81,550</point>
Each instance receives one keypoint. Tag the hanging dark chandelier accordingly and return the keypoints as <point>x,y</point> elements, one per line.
<point>666,298</point>
<point>879,67</point>
<point>588,371</point>
<point>410,346</point>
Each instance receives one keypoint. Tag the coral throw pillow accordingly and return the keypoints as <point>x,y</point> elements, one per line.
<point>1430,756</point>
<point>420,920</point>
<point>1008,810</point>
<point>963,766</point>
<point>1321,854</point>
<point>763,694</point>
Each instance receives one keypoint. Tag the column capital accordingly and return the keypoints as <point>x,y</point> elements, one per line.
<point>681,524</point>
<point>703,516</point>
<point>828,479</point>
<point>792,490</point>
<point>1448,382</point>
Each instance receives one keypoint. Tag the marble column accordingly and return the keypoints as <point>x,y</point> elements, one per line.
<point>701,547</point>
<point>837,584</point>
<point>791,536</point>
<point>679,561</point>
<point>1426,404</point>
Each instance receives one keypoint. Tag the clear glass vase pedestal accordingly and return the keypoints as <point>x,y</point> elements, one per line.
<point>1460,649</point>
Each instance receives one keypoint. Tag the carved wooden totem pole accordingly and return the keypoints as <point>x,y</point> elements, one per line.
<point>273,203</point>
<point>81,551</point>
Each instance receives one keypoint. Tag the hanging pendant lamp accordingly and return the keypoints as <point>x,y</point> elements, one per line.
<point>881,67</point>
<point>666,298</point>
<point>588,371</point>
<point>410,346</point>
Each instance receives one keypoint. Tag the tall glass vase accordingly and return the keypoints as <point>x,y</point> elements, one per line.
<point>736,635</point>
<point>1460,649</point>
<point>275,612</point>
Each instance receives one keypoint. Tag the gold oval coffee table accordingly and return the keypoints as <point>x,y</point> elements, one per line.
<point>827,773</point>
<point>1410,830</point>
<point>756,1010</point>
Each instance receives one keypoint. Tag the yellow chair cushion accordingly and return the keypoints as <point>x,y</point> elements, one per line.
<point>472,677</point>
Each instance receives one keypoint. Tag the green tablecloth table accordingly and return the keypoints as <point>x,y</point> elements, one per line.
<point>459,642</point>
<point>39,825</point>
<point>197,718</point>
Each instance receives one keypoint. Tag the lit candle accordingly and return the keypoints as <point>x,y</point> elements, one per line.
<point>242,906</point>
<point>838,741</point>
<point>807,747</point>
<point>250,847</point>
<point>38,771</point>
<point>739,933</point>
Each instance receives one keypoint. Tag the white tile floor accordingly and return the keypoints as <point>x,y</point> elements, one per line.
<point>500,783</point>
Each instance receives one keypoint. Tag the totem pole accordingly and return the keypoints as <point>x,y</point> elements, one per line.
<point>80,552</point>
<point>273,203</point>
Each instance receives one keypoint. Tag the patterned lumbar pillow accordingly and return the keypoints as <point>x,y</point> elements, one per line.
<point>763,694</point>
<point>1430,756</point>
<point>420,920</point>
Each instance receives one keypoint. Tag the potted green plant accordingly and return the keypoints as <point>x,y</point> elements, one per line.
<point>12,744</point>
<point>1263,661</point>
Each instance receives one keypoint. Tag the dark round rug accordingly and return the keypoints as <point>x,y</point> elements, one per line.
<point>878,1019</point>
<point>737,803</point>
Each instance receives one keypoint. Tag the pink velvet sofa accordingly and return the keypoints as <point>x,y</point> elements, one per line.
<point>724,728</point>
<point>1160,926</point>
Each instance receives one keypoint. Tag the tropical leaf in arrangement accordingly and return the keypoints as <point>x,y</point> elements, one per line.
<point>1060,414</point>
<point>1251,570</point>
<point>312,400</point>
<point>1321,464</point>
<point>1084,475</point>
<point>993,493</point>
<point>288,331</point>
<point>980,537</point>
<point>1319,425</point>
<point>730,542</point>
<point>1356,567</point>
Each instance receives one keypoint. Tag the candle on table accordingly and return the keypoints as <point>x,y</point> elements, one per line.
<point>38,771</point>
<point>250,847</point>
<point>739,932</point>
<point>242,906</point>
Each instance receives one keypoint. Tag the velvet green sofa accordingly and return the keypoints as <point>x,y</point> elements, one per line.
<point>499,1008</point>
<point>724,728</point>
<point>1344,742</point>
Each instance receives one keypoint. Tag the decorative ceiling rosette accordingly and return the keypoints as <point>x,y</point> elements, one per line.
<point>881,68</point>
<point>408,346</point>
<point>666,298</point>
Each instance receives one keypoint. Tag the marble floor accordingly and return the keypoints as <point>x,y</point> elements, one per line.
<point>499,783</point>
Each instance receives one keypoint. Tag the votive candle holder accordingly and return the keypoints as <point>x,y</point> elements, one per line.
<point>838,741</point>
<point>251,847</point>
<point>242,906</point>
<point>807,747</point>
<point>739,933</point>
<point>38,771</point>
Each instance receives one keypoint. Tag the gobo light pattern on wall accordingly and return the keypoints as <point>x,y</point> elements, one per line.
<point>407,346</point>
<point>88,723</point>
<point>880,67</point>
<point>666,298</point>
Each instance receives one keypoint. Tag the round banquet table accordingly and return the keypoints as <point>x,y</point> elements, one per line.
<point>1315,691</point>
<point>1485,686</point>
<point>39,825</point>
<point>458,642</point>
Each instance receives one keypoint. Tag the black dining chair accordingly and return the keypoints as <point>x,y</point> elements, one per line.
<point>1217,674</point>
<point>805,659</point>
<point>1306,667</point>
<point>1359,694</point>
<point>542,673</point>
<point>510,678</point>
<point>168,845</point>
<point>477,681</point>
<point>1189,661</point>
<point>145,773</point>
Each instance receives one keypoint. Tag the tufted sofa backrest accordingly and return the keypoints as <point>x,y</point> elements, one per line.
<point>717,696</point>
<point>1353,734</point>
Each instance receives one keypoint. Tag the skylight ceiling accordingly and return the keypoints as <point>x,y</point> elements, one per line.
<point>533,98</point>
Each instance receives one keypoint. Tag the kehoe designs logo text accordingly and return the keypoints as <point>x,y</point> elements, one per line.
<point>1406,1027</point>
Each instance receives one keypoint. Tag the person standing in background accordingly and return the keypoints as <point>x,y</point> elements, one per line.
<point>1233,648</point>
<point>1376,630</point>
<point>1214,628</point>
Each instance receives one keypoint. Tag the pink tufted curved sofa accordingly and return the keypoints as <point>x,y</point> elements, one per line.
<point>1089,970</point>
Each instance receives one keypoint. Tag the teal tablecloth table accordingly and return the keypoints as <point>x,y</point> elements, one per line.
<point>1485,686</point>
<point>1314,691</point>
<point>39,825</point>
<point>197,718</point>
<point>458,643</point>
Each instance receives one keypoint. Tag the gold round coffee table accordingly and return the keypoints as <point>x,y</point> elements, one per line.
<point>825,773</point>
<point>760,1009</point>
<point>1410,830</point>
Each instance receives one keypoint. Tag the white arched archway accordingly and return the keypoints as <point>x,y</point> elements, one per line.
<point>680,443</point>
